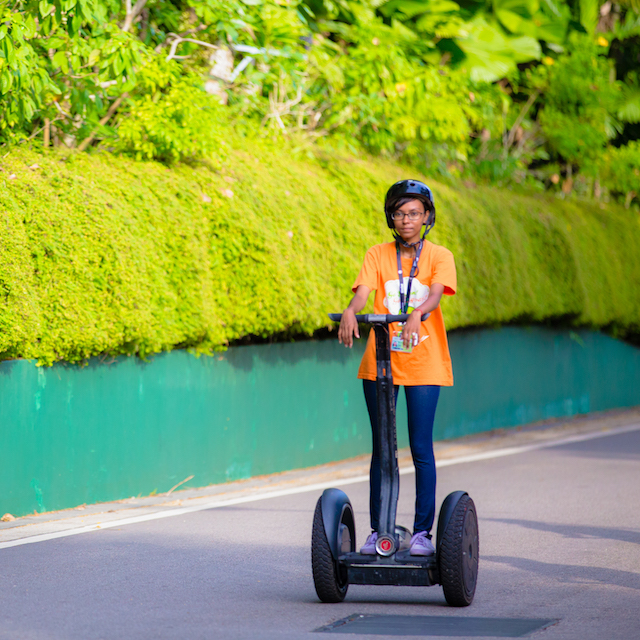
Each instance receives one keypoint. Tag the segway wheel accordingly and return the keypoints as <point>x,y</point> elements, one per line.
<point>458,553</point>
<point>331,581</point>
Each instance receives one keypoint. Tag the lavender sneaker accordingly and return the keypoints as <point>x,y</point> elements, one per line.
<point>421,545</point>
<point>369,548</point>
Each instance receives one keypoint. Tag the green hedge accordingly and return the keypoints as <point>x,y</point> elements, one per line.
<point>104,255</point>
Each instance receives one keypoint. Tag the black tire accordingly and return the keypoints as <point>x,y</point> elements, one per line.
<point>458,553</point>
<point>330,582</point>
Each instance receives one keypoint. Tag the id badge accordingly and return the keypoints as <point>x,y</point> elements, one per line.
<point>397,343</point>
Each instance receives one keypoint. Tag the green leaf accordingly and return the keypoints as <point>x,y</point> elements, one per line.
<point>554,32</point>
<point>630,109</point>
<point>515,22</point>
<point>44,7</point>
<point>60,60</point>
<point>47,25</point>
<point>77,22</point>
<point>490,54</point>
<point>554,7</point>
<point>6,80</point>
<point>589,10</point>
<point>94,56</point>
<point>30,26</point>
<point>116,64</point>
<point>525,49</point>
<point>28,109</point>
<point>9,51</point>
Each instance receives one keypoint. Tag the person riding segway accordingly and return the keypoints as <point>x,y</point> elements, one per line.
<point>407,347</point>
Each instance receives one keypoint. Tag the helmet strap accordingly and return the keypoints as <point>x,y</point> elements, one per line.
<point>399,240</point>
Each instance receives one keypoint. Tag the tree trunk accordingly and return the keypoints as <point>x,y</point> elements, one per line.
<point>630,196</point>
<point>567,185</point>
<point>220,73</point>
<point>132,13</point>
<point>47,133</point>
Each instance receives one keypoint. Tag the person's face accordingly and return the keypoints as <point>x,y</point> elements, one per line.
<point>409,219</point>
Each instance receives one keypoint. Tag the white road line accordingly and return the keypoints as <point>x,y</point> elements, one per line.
<point>509,451</point>
<point>486,455</point>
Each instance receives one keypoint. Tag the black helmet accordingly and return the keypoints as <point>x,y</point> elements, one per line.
<point>409,188</point>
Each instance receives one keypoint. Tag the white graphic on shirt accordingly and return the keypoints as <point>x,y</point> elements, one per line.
<point>419,293</point>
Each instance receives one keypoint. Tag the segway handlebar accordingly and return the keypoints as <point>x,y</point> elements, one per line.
<point>377,318</point>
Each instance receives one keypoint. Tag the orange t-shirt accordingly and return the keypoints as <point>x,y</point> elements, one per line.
<point>429,362</point>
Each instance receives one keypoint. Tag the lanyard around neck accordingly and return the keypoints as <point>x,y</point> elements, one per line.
<point>404,300</point>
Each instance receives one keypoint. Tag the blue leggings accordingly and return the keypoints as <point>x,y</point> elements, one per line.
<point>421,408</point>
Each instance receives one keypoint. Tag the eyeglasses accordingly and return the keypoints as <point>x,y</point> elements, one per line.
<point>413,215</point>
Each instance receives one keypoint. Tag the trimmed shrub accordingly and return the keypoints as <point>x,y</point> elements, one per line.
<point>106,255</point>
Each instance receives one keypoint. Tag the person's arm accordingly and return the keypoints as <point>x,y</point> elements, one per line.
<point>349,324</point>
<point>413,323</point>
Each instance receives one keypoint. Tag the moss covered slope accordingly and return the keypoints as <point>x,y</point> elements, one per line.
<point>100,254</point>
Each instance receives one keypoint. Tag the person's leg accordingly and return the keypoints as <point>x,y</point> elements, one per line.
<point>421,408</point>
<point>371,398</point>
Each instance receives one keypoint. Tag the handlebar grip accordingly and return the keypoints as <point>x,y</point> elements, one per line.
<point>378,318</point>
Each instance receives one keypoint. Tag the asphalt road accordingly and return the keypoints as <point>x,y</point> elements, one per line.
<point>559,540</point>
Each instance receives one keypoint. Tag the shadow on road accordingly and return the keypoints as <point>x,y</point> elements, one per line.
<point>571,574</point>
<point>574,531</point>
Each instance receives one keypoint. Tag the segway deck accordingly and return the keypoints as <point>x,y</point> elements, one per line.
<point>400,570</point>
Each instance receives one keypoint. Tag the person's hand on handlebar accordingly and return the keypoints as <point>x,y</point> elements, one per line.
<point>348,323</point>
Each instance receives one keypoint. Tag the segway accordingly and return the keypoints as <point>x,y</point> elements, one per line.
<point>334,560</point>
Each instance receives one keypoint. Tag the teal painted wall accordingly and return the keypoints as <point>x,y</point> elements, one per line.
<point>70,435</point>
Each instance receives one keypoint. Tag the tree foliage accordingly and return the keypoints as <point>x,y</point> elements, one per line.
<point>579,102</point>
<point>528,91</point>
<point>621,170</point>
